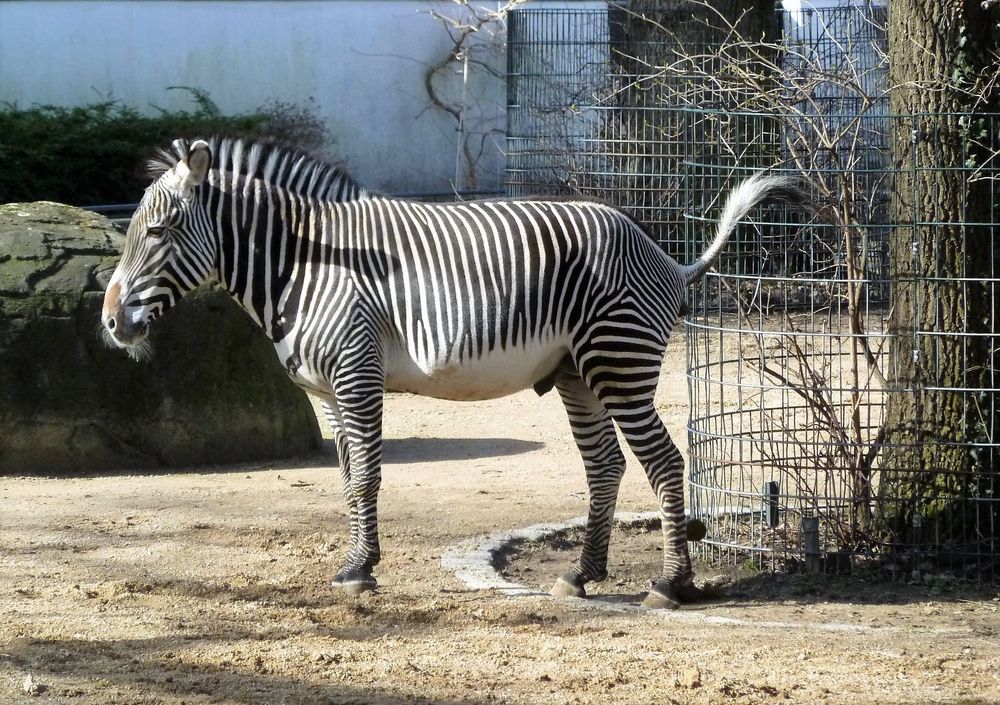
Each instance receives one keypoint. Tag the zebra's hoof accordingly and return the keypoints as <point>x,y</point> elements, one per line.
<point>669,595</point>
<point>658,599</point>
<point>354,583</point>
<point>568,585</point>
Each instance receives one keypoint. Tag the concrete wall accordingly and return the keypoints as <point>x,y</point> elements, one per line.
<point>361,61</point>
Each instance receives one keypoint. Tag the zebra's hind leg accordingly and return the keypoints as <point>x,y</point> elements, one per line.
<point>664,466</point>
<point>604,463</point>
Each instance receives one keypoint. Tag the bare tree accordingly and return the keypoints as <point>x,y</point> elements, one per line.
<point>477,40</point>
<point>812,110</point>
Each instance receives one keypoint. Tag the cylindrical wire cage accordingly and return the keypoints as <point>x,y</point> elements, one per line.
<point>783,409</point>
<point>844,406</point>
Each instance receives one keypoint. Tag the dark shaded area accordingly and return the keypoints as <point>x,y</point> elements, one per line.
<point>212,391</point>
<point>155,668</point>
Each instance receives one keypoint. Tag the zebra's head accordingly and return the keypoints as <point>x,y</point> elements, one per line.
<point>169,250</point>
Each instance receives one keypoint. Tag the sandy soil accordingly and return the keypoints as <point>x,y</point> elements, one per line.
<point>212,587</point>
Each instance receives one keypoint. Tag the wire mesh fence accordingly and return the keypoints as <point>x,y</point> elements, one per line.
<point>585,119</point>
<point>844,404</point>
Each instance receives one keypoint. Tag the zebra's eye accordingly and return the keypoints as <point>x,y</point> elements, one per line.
<point>156,231</point>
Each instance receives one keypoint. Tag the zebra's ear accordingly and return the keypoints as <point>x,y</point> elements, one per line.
<point>193,168</point>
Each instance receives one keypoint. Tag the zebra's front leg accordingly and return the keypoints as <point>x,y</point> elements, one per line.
<point>361,412</point>
<point>604,463</point>
<point>344,459</point>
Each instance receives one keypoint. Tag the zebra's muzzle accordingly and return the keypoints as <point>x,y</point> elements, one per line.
<point>123,334</point>
<point>122,329</point>
<point>132,339</point>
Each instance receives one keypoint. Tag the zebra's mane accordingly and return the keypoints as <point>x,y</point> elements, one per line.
<point>273,162</point>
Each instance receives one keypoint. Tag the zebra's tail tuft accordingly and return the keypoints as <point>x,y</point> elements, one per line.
<point>754,190</point>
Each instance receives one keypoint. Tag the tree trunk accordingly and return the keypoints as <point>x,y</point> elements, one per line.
<point>938,314</point>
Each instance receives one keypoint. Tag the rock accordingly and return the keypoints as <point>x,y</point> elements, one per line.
<point>32,687</point>
<point>213,390</point>
<point>690,678</point>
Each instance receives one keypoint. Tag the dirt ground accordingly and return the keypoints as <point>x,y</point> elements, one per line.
<point>213,587</point>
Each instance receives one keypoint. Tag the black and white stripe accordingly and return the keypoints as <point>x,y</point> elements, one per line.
<point>361,293</point>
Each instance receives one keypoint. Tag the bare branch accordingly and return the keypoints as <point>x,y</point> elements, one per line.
<point>467,31</point>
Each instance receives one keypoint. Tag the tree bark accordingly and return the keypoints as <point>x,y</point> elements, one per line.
<point>939,313</point>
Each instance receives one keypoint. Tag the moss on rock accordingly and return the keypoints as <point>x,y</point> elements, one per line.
<point>212,392</point>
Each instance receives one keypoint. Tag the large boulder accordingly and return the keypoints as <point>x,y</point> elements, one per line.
<point>211,392</point>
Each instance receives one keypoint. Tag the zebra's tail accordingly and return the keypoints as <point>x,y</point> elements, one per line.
<point>759,187</point>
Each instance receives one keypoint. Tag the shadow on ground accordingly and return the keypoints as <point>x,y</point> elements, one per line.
<point>636,558</point>
<point>162,670</point>
<point>426,450</point>
<point>394,451</point>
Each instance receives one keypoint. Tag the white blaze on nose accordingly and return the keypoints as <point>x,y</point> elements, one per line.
<point>112,297</point>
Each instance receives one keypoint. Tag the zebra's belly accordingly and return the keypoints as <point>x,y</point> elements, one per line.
<point>495,374</point>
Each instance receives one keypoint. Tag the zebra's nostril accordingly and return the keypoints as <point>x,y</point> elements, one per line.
<point>111,324</point>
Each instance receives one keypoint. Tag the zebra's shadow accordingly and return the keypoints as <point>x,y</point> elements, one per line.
<point>416,450</point>
<point>402,451</point>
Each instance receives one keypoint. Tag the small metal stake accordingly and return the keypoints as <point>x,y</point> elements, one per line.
<point>771,500</point>
<point>810,543</point>
<point>917,536</point>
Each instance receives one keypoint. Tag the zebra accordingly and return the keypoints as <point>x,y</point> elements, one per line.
<point>462,301</point>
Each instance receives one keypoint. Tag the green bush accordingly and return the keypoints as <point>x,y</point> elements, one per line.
<point>89,155</point>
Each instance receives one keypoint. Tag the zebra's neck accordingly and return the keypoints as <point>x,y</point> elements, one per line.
<point>262,232</point>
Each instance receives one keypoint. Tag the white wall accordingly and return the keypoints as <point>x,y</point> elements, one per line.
<point>362,61</point>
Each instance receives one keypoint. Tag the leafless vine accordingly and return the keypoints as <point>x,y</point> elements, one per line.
<point>477,35</point>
